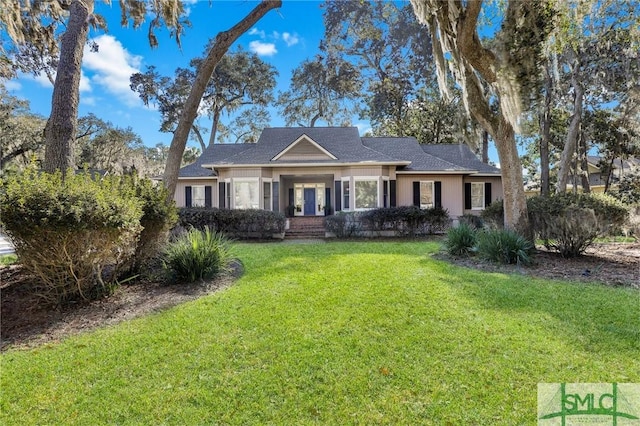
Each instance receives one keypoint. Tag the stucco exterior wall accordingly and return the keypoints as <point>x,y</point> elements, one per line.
<point>452,191</point>
<point>179,195</point>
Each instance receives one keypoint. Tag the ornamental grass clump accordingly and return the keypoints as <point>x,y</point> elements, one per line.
<point>505,246</point>
<point>198,255</point>
<point>461,240</point>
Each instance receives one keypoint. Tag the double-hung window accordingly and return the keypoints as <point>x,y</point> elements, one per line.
<point>346,194</point>
<point>426,195</point>
<point>197,196</point>
<point>246,194</point>
<point>366,192</point>
<point>477,195</point>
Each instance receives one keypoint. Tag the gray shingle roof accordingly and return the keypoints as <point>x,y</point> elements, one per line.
<point>409,149</point>
<point>346,145</point>
<point>343,142</point>
<point>461,155</point>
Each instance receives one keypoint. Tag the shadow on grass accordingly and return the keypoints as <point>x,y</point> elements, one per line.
<point>597,317</point>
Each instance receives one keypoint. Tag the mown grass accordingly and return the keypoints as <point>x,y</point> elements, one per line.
<point>338,333</point>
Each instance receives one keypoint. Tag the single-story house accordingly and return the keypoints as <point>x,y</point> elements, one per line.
<point>313,171</point>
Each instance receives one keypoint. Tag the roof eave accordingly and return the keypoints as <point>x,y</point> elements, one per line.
<point>273,165</point>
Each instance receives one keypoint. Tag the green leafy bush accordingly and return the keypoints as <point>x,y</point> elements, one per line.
<point>569,223</point>
<point>472,220</point>
<point>505,246</point>
<point>241,224</point>
<point>406,220</point>
<point>461,240</point>
<point>73,234</point>
<point>493,215</point>
<point>343,224</point>
<point>158,217</point>
<point>198,255</point>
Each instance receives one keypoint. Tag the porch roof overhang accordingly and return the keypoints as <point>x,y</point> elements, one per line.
<point>436,172</point>
<point>196,177</point>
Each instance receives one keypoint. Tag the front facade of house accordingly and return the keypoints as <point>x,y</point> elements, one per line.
<point>321,170</point>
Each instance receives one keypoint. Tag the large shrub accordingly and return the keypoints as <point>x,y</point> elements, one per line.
<point>461,240</point>
<point>505,246</point>
<point>158,217</point>
<point>72,233</point>
<point>241,224</point>
<point>198,255</point>
<point>343,224</point>
<point>569,223</point>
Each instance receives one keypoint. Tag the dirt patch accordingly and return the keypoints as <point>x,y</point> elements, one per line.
<point>614,264</point>
<point>25,323</point>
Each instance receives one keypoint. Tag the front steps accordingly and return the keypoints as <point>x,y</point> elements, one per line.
<point>305,227</point>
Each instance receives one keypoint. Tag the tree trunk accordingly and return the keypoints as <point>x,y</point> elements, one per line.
<point>545,137</point>
<point>196,132</point>
<point>515,202</point>
<point>60,131</point>
<point>223,41</point>
<point>214,127</point>
<point>574,131</point>
<point>485,147</point>
<point>584,165</point>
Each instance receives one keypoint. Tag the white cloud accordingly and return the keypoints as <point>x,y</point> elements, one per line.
<point>290,39</point>
<point>12,85</point>
<point>262,49</point>
<point>112,66</point>
<point>255,31</point>
<point>88,100</point>
<point>364,128</point>
<point>275,35</point>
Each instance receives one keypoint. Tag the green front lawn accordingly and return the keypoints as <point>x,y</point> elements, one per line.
<point>336,333</point>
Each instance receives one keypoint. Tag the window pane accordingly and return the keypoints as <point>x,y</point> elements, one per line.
<point>477,195</point>
<point>366,194</point>
<point>426,195</point>
<point>197,196</point>
<point>246,194</point>
<point>345,195</point>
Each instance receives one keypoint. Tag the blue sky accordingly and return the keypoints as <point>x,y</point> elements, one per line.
<point>284,38</point>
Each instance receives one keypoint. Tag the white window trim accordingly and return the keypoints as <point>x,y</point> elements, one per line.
<point>342,181</point>
<point>193,198</point>
<point>482,185</point>
<point>366,179</point>
<point>234,181</point>
<point>433,193</point>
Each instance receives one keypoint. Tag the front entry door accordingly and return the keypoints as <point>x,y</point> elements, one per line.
<point>309,201</point>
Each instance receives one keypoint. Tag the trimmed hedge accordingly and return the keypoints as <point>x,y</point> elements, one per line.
<point>240,224</point>
<point>403,221</point>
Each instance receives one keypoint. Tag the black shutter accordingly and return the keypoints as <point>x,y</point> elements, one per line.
<point>338,194</point>
<point>221,195</point>
<point>290,196</point>
<point>207,196</point>
<point>437,188</point>
<point>187,196</point>
<point>416,194</point>
<point>275,194</point>
<point>392,193</point>
<point>487,193</point>
<point>327,197</point>
<point>467,196</point>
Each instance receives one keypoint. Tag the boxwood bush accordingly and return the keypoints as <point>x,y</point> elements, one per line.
<point>240,224</point>
<point>72,233</point>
